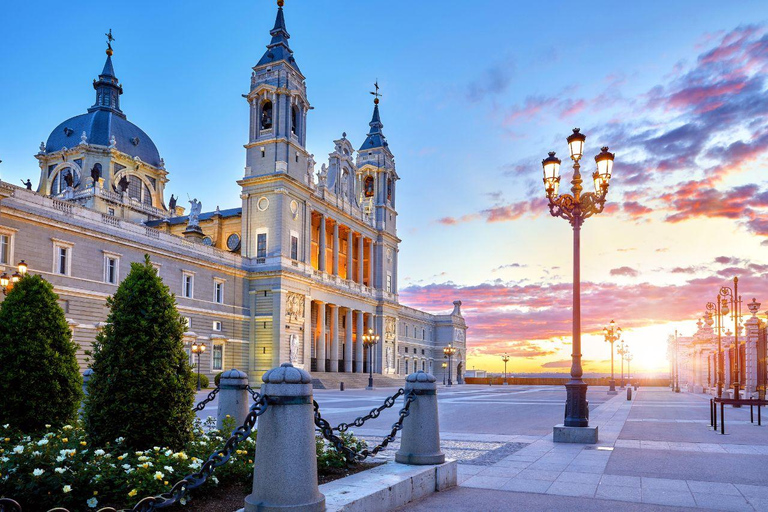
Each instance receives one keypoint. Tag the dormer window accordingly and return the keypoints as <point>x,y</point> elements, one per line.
<point>266,115</point>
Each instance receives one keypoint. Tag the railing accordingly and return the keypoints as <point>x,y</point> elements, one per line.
<point>110,220</point>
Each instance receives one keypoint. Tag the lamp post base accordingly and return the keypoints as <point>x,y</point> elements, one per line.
<point>576,405</point>
<point>612,388</point>
<point>581,435</point>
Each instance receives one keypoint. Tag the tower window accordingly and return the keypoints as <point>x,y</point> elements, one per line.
<point>263,152</point>
<point>261,245</point>
<point>294,119</point>
<point>266,115</point>
<point>368,186</point>
<point>294,247</point>
<point>389,189</point>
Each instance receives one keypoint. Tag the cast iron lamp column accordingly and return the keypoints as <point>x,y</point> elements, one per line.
<point>369,340</point>
<point>576,208</point>
<point>445,365</point>
<point>612,334</point>
<point>198,349</point>
<point>7,283</point>
<point>677,364</point>
<point>714,307</point>
<point>731,298</point>
<point>620,351</point>
<point>505,358</point>
<point>629,357</point>
<point>449,351</point>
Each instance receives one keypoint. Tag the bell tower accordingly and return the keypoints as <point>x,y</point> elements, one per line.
<point>278,110</point>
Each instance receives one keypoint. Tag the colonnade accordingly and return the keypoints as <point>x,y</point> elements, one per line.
<point>357,264</point>
<point>337,338</point>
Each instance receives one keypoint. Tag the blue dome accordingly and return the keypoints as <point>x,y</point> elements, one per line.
<point>99,126</point>
<point>103,121</point>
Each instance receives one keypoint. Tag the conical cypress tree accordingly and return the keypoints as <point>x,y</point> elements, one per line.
<point>142,388</point>
<point>40,380</point>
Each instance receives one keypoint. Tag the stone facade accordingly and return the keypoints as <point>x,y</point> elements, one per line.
<point>298,273</point>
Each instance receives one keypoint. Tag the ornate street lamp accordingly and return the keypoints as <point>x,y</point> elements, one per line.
<point>576,208</point>
<point>449,351</point>
<point>198,349</point>
<point>621,351</point>
<point>716,308</point>
<point>7,282</point>
<point>629,357</point>
<point>369,340</point>
<point>731,301</point>
<point>677,365</point>
<point>505,358</point>
<point>445,365</point>
<point>612,334</point>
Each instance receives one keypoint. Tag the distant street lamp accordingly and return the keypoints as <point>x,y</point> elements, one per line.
<point>621,351</point>
<point>7,282</point>
<point>369,340</point>
<point>731,301</point>
<point>505,358</point>
<point>612,333</point>
<point>677,364</point>
<point>449,351</point>
<point>445,365</point>
<point>198,349</point>
<point>629,357</point>
<point>715,307</point>
<point>575,209</point>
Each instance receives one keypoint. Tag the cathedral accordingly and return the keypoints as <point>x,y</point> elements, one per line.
<point>300,272</point>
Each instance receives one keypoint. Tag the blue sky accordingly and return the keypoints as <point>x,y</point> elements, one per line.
<point>475,94</point>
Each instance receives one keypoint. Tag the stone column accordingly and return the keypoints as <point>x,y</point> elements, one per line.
<point>350,263</point>
<point>233,398</point>
<point>334,355</point>
<point>321,243</point>
<point>320,350</point>
<point>359,343</point>
<point>726,369</point>
<point>367,325</point>
<point>371,274</point>
<point>336,248</point>
<point>348,342</point>
<point>750,353</point>
<point>360,252</point>
<point>420,443</point>
<point>285,465</point>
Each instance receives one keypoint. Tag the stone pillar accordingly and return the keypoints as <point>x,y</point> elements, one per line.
<point>360,253</point>
<point>359,343</point>
<point>750,369</point>
<point>371,274</point>
<point>335,248</point>
<point>726,369</point>
<point>233,397</point>
<point>348,342</point>
<point>285,465</point>
<point>350,261</point>
<point>321,244</point>
<point>320,350</point>
<point>334,345</point>
<point>420,443</point>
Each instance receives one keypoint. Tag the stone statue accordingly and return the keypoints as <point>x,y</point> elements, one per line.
<point>294,307</point>
<point>96,173</point>
<point>123,184</point>
<point>172,204</point>
<point>322,176</point>
<point>83,139</point>
<point>293,348</point>
<point>194,212</point>
<point>27,184</point>
<point>112,142</point>
<point>388,360</point>
<point>42,147</point>
<point>68,179</point>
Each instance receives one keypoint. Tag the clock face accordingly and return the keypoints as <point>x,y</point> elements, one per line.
<point>207,241</point>
<point>233,242</point>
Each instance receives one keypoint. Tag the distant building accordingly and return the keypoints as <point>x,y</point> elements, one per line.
<point>299,272</point>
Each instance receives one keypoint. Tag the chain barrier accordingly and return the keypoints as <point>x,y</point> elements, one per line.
<point>388,402</point>
<point>254,394</point>
<point>350,454</point>
<point>199,407</point>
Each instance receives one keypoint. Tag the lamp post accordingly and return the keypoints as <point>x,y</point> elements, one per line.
<point>444,365</point>
<point>620,351</point>
<point>369,340</point>
<point>714,307</point>
<point>575,209</point>
<point>449,351</point>
<point>505,358</point>
<point>198,349</point>
<point>612,334</point>
<point>629,357</point>
<point>731,301</point>
<point>7,282</point>
<point>677,364</point>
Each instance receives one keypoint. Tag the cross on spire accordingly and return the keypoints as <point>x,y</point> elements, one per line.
<point>109,41</point>
<point>376,94</point>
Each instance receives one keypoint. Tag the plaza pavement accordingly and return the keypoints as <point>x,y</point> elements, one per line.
<point>655,453</point>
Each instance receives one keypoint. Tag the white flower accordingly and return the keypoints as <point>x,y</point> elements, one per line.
<point>42,442</point>
<point>168,453</point>
<point>126,466</point>
<point>6,425</point>
<point>67,427</point>
<point>99,452</point>
<point>36,453</point>
<point>159,475</point>
<point>92,502</point>
<point>66,488</point>
<point>215,480</point>
<point>18,449</point>
<point>119,440</point>
<point>143,458</point>
<point>168,469</point>
<point>183,500</point>
<point>37,472</point>
<point>60,470</point>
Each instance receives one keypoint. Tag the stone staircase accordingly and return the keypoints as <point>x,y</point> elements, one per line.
<point>327,380</point>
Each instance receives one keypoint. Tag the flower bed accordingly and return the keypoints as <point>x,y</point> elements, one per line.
<point>61,468</point>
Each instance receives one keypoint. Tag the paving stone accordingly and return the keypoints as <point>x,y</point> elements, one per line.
<point>664,484</point>
<point>572,489</point>
<point>753,491</point>
<point>486,482</point>
<point>618,492</point>
<point>713,488</point>
<point>667,497</point>
<point>722,502</point>
<point>499,471</point>
<point>518,484</point>
<point>622,481</point>
<point>585,478</point>
<point>532,474</point>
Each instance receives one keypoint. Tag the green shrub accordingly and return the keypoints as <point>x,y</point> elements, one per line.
<point>217,379</point>
<point>328,457</point>
<point>40,381</point>
<point>142,388</point>
<point>203,380</point>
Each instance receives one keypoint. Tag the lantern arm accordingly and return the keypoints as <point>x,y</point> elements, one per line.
<point>591,203</point>
<point>725,291</point>
<point>563,206</point>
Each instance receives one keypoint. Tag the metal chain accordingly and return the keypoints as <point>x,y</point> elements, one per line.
<point>199,407</point>
<point>350,454</point>
<point>254,394</point>
<point>388,402</point>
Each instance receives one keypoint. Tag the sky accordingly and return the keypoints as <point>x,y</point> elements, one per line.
<point>474,96</point>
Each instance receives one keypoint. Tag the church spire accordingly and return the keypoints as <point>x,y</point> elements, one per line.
<point>278,49</point>
<point>108,88</point>
<point>375,138</point>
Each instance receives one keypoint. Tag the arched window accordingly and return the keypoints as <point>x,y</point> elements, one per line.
<point>138,190</point>
<point>294,119</point>
<point>266,115</point>
<point>389,189</point>
<point>368,186</point>
<point>64,175</point>
<point>406,367</point>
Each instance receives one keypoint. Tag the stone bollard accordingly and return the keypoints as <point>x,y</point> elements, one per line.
<point>285,465</point>
<point>420,443</point>
<point>233,397</point>
<point>629,393</point>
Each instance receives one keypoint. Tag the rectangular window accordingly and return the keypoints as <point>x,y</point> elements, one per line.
<point>218,292</point>
<point>218,357</point>
<point>5,249</point>
<point>406,350</point>
<point>389,282</point>
<point>261,245</point>
<point>188,288</point>
<point>110,270</point>
<point>61,265</point>
<point>294,247</point>
<point>217,326</point>
<point>188,322</point>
